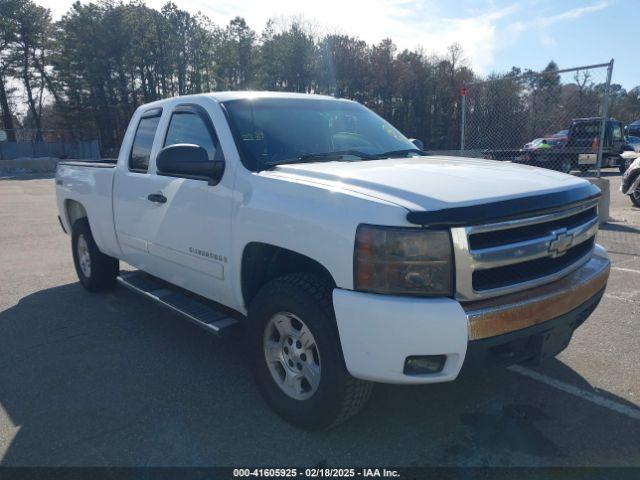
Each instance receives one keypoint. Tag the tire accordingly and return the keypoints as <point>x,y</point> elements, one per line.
<point>302,300</point>
<point>635,197</point>
<point>96,271</point>
<point>622,168</point>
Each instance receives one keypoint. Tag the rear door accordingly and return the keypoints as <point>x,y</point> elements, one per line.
<point>133,183</point>
<point>189,235</point>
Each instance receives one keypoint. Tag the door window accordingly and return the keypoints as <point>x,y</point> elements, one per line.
<point>617,133</point>
<point>190,127</point>
<point>142,143</point>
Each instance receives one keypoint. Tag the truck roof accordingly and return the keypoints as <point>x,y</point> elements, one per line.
<point>243,95</point>
<point>247,94</point>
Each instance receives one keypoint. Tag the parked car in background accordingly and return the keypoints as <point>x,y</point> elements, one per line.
<point>544,143</point>
<point>634,143</point>
<point>532,144</point>
<point>633,129</point>
<point>578,150</point>
<point>631,180</point>
<point>632,146</point>
<point>561,134</point>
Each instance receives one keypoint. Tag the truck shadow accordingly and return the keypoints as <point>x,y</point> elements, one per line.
<point>113,380</point>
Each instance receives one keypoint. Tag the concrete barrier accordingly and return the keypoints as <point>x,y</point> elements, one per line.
<point>29,165</point>
<point>605,199</point>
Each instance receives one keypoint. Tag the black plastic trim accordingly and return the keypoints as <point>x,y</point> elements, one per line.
<point>505,209</point>
<point>219,158</point>
<point>152,112</point>
<point>200,111</point>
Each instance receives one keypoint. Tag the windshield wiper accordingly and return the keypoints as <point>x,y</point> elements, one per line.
<point>401,153</point>
<point>326,156</point>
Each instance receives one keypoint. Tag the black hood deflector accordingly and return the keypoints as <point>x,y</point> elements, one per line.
<point>505,209</point>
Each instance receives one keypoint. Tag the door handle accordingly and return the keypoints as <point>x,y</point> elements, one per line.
<point>157,198</point>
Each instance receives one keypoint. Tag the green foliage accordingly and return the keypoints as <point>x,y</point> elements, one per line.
<point>90,70</point>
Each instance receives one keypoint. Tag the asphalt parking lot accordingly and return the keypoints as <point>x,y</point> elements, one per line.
<point>110,379</point>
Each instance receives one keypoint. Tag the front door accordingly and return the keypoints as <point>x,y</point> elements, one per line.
<point>189,239</point>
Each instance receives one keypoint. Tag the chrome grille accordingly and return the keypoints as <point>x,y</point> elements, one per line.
<point>505,257</point>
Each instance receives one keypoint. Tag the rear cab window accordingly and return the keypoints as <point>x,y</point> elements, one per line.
<point>143,141</point>
<point>617,132</point>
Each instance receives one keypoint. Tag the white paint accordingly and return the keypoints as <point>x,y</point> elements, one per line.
<point>579,392</point>
<point>311,209</point>
<point>433,182</point>
<point>378,332</point>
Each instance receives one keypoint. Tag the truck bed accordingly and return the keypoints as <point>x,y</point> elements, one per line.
<point>89,184</point>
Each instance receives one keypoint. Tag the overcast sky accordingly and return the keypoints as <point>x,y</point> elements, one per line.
<point>495,34</point>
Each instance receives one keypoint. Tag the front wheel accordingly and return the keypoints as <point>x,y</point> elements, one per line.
<point>635,197</point>
<point>96,271</point>
<point>296,356</point>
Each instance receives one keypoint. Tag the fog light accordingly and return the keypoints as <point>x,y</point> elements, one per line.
<point>424,364</point>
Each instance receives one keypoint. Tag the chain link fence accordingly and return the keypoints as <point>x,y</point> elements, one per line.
<point>555,119</point>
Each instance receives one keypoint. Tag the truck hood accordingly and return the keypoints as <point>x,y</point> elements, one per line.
<point>433,182</point>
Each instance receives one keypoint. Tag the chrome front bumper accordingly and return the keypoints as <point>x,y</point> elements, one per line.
<point>509,313</point>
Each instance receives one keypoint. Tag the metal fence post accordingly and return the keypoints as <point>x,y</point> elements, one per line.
<point>604,112</point>
<point>463,93</point>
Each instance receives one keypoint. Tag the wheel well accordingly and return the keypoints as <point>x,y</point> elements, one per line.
<point>262,262</point>
<point>74,211</point>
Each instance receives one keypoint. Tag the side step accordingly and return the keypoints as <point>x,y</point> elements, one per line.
<point>198,311</point>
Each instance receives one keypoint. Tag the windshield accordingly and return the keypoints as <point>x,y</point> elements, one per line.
<point>277,130</point>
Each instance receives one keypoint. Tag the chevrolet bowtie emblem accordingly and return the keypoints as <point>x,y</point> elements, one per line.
<point>561,242</point>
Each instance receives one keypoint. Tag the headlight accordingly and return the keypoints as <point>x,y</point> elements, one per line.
<point>403,261</point>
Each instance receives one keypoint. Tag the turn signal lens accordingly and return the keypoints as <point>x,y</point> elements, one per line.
<point>403,261</point>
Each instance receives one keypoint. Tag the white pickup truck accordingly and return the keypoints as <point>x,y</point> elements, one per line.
<point>350,256</point>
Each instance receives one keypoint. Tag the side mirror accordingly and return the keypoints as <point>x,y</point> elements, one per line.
<point>189,161</point>
<point>418,143</point>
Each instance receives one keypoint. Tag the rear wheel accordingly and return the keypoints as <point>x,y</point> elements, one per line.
<point>635,197</point>
<point>296,356</point>
<point>96,271</point>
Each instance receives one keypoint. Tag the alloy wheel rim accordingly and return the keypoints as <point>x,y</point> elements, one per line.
<point>292,355</point>
<point>83,256</point>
